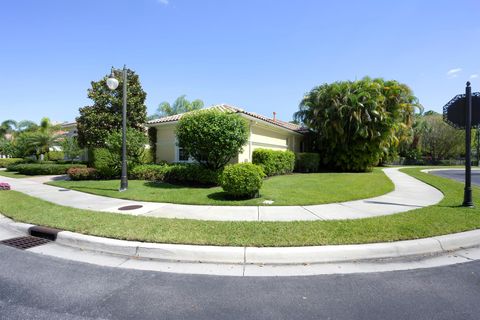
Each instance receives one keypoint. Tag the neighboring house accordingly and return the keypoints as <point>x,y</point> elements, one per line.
<point>68,129</point>
<point>265,133</point>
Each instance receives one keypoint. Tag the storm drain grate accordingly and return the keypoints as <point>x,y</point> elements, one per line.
<point>25,242</point>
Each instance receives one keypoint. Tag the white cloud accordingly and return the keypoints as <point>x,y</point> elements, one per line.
<point>453,73</point>
<point>165,2</point>
<point>473,76</point>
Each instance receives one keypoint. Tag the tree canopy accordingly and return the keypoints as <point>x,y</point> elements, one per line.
<point>212,137</point>
<point>357,123</point>
<point>96,122</point>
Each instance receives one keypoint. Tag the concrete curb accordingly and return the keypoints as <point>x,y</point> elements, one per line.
<point>268,255</point>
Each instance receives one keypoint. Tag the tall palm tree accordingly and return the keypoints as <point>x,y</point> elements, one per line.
<point>7,126</point>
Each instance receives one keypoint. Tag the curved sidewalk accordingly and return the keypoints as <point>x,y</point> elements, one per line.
<point>409,194</point>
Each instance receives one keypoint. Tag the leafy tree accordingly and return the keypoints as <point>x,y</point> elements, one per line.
<point>180,105</point>
<point>96,122</point>
<point>212,137</point>
<point>441,141</point>
<point>7,147</point>
<point>108,160</point>
<point>70,148</point>
<point>357,123</point>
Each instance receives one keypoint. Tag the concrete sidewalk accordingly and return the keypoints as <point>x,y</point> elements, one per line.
<point>409,194</point>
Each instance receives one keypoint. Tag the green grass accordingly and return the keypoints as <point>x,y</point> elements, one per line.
<point>295,189</point>
<point>12,174</point>
<point>446,217</point>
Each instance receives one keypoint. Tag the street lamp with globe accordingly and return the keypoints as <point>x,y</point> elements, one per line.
<point>112,84</point>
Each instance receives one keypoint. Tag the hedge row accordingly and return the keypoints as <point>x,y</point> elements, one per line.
<point>176,173</point>
<point>5,162</point>
<point>274,162</point>
<point>307,162</point>
<point>77,174</point>
<point>34,169</point>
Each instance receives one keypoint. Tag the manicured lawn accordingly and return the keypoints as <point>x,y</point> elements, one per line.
<point>446,217</point>
<point>11,174</point>
<point>295,189</point>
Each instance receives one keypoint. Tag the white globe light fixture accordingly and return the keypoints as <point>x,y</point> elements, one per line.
<point>112,83</point>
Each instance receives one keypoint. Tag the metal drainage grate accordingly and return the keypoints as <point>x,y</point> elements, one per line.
<point>25,242</point>
<point>132,207</point>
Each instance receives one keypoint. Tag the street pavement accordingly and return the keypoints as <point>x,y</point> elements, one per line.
<point>458,175</point>
<point>40,287</point>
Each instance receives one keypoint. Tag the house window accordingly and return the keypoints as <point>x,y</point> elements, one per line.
<point>182,154</point>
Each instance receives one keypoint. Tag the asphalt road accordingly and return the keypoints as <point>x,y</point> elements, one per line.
<point>40,287</point>
<point>458,175</point>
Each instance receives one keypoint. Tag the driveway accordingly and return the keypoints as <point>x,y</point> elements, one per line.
<point>458,175</point>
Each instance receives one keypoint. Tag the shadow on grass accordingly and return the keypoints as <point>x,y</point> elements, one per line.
<point>223,196</point>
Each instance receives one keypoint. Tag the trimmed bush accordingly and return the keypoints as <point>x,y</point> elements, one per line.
<point>35,169</point>
<point>150,172</point>
<point>242,180</point>
<point>212,137</point>
<point>108,164</point>
<point>191,173</point>
<point>77,174</point>
<point>307,162</point>
<point>185,174</point>
<point>274,162</point>
<point>55,156</point>
<point>5,162</point>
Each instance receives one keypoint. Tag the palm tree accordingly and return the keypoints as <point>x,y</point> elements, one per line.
<point>7,126</point>
<point>41,142</point>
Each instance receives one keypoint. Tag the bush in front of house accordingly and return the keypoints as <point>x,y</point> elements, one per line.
<point>36,169</point>
<point>180,173</point>
<point>191,173</point>
<point>5,162</point>
<point>212,137</point>
<point>242,180</point>
<point>108,164</point>
<point>307,162</point>
<point>54,156</point>
<point>274,162</point>
<point>77,174</point>
<point>149,172</point>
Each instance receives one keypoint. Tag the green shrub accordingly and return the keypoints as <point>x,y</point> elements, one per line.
<point>82,174</point>
<point>150,172</point>
<point>54,156</point>
<point>108,164</point>
<point>212,137</point>
<point>34,169</point>
<point>274,162</point>
<point>191,173</point>
<point>307,162</point>
<point>5,162</point>
<point>242,180</point>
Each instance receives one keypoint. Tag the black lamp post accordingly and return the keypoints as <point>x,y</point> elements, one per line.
<point>112,84</point>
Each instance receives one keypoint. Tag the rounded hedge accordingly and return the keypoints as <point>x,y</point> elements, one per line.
<point>242,180</point>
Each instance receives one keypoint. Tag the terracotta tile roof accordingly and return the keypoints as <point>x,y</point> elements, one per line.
<point>232,109</point>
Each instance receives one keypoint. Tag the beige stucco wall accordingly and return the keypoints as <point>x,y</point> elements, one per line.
<point>166,143</point>
<point>261,136</point>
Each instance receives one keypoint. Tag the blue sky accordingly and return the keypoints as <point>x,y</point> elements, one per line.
<point>261,55</point>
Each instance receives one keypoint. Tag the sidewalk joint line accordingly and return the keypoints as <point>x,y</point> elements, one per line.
<point>320,218</point>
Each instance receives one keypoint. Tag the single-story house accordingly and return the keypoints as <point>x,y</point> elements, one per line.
<point>266,133</point>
